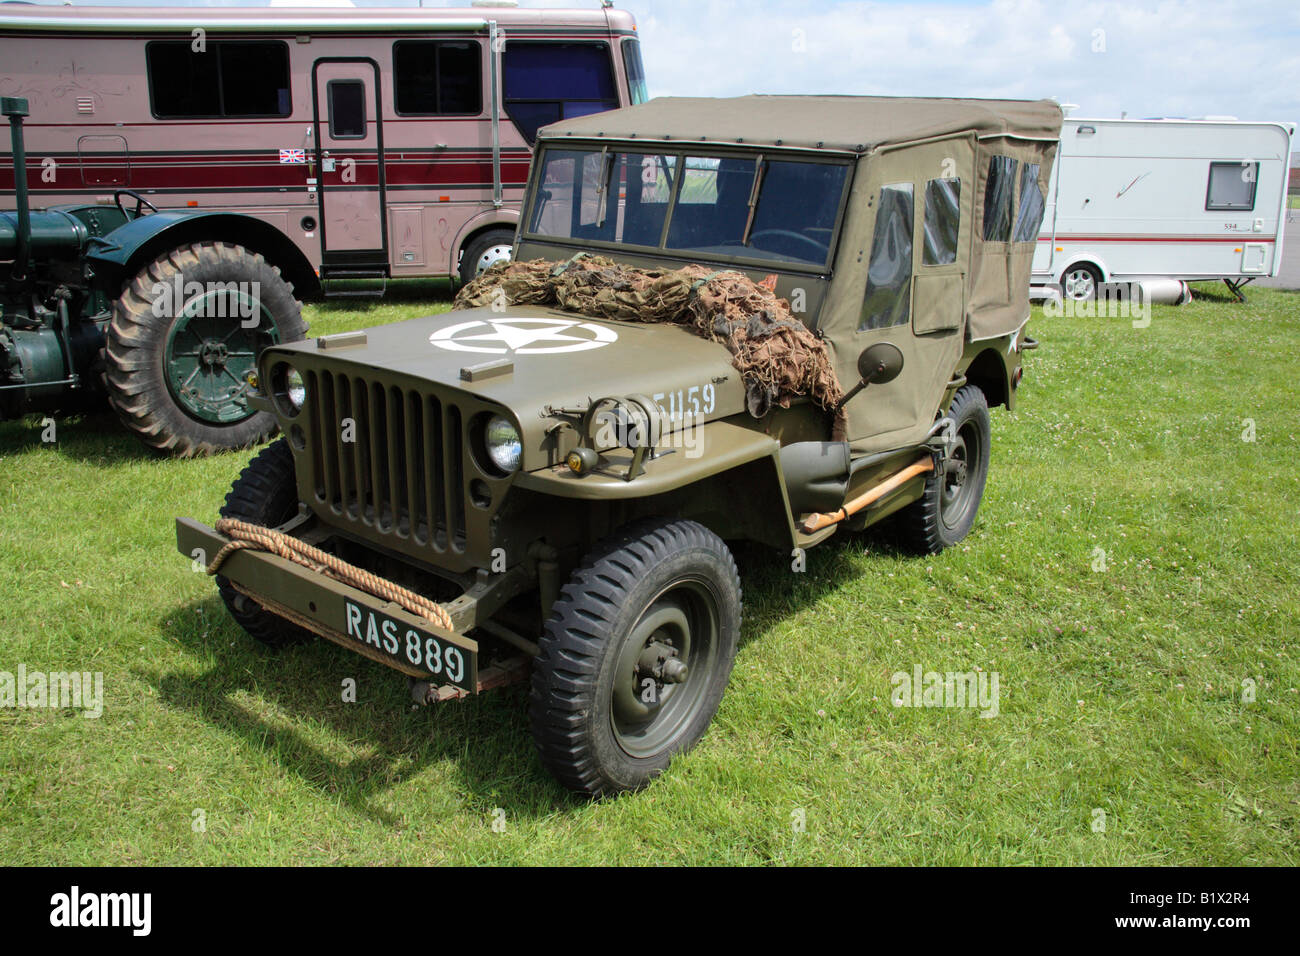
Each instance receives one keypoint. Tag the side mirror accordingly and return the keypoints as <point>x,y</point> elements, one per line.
<point>880,363</point>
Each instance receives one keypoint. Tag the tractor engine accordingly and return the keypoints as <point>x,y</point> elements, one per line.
<point>51,321</point>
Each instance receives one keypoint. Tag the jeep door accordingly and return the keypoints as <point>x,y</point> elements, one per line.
<point>920,198</point>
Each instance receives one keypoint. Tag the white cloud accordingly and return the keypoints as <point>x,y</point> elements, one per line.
<point>1173,57</point>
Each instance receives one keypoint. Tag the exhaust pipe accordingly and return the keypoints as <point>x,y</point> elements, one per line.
<point>15,108</point>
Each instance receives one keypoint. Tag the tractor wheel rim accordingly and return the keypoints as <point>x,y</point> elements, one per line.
<point>490,257</point>
<point>211,353</point>
<point>648,713</point>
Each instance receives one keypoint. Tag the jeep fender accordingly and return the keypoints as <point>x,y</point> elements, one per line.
<point>704,486</point>
<point>991,365</point>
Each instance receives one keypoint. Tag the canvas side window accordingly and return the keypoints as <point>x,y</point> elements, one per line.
<point>998,196</point>
<point>889,274</point>
<point>1232,186</point>
<point>942,221</point>
<point>347,109</point>
<point>1029,215</point>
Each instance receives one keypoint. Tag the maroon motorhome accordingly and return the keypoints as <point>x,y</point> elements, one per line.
<point>377,143</point>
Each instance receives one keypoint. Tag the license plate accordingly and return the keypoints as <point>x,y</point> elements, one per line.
<point>409,646</point>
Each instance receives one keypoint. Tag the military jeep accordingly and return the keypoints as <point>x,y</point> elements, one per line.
<point>520,492</point>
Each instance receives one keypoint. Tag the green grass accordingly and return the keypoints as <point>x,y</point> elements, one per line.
<point>1121,689</point>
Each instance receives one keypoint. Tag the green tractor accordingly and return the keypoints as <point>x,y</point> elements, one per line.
<point>161,313</point>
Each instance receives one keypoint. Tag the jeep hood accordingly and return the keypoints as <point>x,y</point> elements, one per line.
<point>557,359</point>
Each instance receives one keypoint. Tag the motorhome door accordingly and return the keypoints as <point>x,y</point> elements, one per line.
<point>350,163</point>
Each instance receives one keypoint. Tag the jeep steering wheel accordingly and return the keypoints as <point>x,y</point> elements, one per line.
<point>140,204</point>
<point>791,234</point>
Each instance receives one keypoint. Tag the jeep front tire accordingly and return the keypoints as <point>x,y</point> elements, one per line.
<point>264,494</point>
<point>635,656</point>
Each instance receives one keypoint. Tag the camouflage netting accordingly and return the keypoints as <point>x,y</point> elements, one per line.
<point>778,358</point>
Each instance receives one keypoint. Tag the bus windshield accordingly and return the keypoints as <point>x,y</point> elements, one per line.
<point>725,207</point>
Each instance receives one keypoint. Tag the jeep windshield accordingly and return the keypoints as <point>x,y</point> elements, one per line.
<point>741,208</point>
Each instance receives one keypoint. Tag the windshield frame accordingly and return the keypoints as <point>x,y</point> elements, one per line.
<point>681,150</point>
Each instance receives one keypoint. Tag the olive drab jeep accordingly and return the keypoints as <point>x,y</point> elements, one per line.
<point>773,319</point>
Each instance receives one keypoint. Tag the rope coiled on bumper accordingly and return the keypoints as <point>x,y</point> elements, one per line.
<point>244,535</point>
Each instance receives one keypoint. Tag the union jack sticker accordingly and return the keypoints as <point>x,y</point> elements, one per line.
<point>293,156</point>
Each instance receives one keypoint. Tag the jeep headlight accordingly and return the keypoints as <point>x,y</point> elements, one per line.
<point>289,389</point>
<point>504,446</point>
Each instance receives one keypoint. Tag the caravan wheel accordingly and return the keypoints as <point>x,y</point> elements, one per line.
<point>1081,282</point>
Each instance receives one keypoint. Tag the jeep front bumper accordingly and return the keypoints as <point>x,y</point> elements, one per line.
<point>371,626</point>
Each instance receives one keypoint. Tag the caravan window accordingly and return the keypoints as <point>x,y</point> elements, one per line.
<point>1029,217</point>
<point>888,300</point>
<point>942,221</point>
<point>230,78</point>
<point>437,78</point>
<point>999,192</point>
<point>547,81</point>
<point>1232,186</point>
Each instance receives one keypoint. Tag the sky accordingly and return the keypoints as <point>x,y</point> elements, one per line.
<point>1138,58</point>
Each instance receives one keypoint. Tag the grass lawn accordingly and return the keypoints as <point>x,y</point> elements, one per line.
<point>1135,561</point>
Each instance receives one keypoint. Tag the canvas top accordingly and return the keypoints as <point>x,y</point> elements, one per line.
<point>852,124</point>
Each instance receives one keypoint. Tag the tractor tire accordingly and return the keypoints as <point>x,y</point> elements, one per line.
<point>635,656</point>
<point>945,512</point>
<point>177,365</point>
<point>265,494</point>
<point>493,246</point>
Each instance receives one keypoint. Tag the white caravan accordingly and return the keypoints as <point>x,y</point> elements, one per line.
<point>1163,201</point>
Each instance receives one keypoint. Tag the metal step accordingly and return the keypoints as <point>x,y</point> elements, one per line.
<point>329,293</point>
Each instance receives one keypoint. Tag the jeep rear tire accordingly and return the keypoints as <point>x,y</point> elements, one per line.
<point>944,513</point>
<point>178,366</point>
<point>635,656</point>
<point>265,494</point>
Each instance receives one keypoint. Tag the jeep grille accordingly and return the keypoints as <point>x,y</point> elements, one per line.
<point>404,472</point>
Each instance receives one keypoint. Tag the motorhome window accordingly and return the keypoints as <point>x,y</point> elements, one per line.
<point>347,108</point>
<point>437,78</point>
<point>942,221</point>
<point>1232,186</point>
<point>713,206</point>
<point>605,196</point>
<point>636,88</point>
<point>999,192</point>
<point>228,79</point>
<point>549,81</point>
<point>1029,214</point>
<point>889,275</point>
